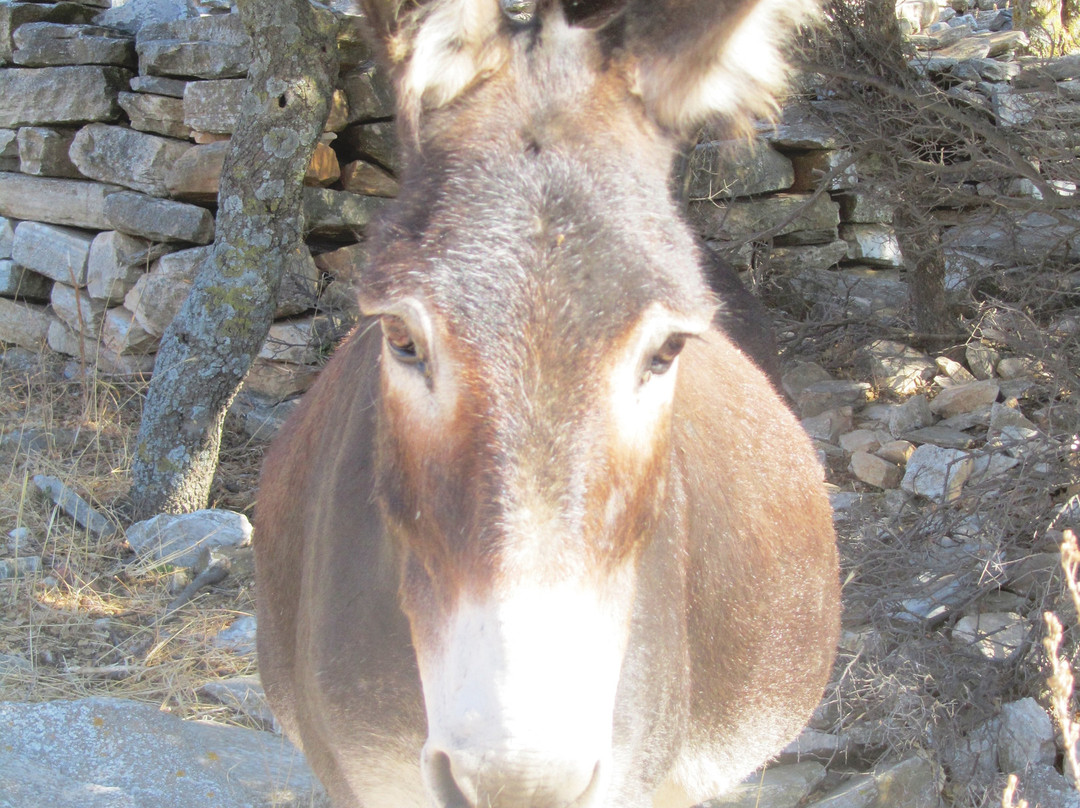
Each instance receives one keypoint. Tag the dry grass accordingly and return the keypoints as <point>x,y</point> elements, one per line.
<point>90,622</point>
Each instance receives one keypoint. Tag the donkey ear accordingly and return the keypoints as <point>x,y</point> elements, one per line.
<point>700,58</point>
<point>434,49</point>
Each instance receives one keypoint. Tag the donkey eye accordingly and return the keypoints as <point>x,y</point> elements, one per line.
<point>661,361</point>
<point>400,341</point>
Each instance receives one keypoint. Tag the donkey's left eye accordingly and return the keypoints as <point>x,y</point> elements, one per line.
<point>661,361</point>
<point>400,341</point>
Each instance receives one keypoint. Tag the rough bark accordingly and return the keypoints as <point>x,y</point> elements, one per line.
<point>209,347</point>
<point>1052,26</point>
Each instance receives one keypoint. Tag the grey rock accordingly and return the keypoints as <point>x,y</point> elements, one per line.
<point>800,127</point>
<point>998,636</point>
<point>337,213</point>
<point>24,324</point>
<point>9,150</point>
<point>863,205</point>
<point>783,215</point>
<point>818,397</point>
<point>77,310</point>
<point>829,425</point>
<point>994,70</point>
<point>782,786</point>
<point>722,169</point>
<point>1060,69</point>
<point>21,283</point>
<point>122,334</point>
<point>65,202</point>
<point>158,219</point>
<point>1026,736</point>
<point>56,252</point>
<point>360,177</point>
<point>376,142</point>
<point>964,398</point>
<point>833,168</point>
<point>895,366</point>
<point>912,414</point>
<point>122,156</point>
<point>131,15</point>
<point>852,291</point>
<point>860,440</point>
<point>116,261</point>
<point>937,473</point>
<point>812,744</point>
<point>117,753</point>
<point>911,783</point>
<point>807,258</point>
<point>954,370</point>
<point>213,106</point>
<point>60,95</point>
<point>299,290</point>
<point>7,236</point>
<point>206,47</point>
<point>43,151</point>
<point>874,470</point>
<point>73,505</point>
<point>161,114</point>
<point>178,539</point>
<point>873,244</point>
<point>369,94</point>
<point>156,298</point>
<point>48,44</point>
<point>300,341</point>
<point>238,637</point>
<point>1042,786</point>
<point>15,15</point>
<point>896,451</point>
<point>159,85</point>
<point>244,694</point>
<point>19,567</point>
<point>981,359</point>
<point>1033,575</point>
<point>261,419</point>
<point>940,436</point>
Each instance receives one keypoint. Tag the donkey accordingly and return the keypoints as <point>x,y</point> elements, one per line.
<point>541,535</point>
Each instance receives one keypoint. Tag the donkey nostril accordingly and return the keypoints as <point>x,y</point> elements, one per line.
<point>441,783</point>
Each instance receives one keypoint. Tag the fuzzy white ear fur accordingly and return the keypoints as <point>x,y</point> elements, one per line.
<point>456,42</point>
<point>732,71</point>
<point>731,67</point>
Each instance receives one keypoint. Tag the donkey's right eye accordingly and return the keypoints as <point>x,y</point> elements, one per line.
<point>400,341</point>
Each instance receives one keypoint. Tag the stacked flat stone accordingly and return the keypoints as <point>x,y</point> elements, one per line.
<point>112,143</point>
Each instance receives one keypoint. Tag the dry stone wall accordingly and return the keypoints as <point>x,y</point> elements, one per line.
<point>112,141</point>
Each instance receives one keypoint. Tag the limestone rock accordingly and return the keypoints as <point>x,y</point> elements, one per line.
<point>369,94</point>
<point>122,156</point>
<point>954,370</point>
<point>776,787</point>
<point>896,451</point>
<point>937,473</point>
<point>359,177</point>
<point>80,312</point>
<point>122,334</point>
<point>19,282</point>
<point>964,398</point>
<point>874,470</point>
<point>828,426</point>
<point>860,440</point>
<point>941,436</point>
<point>208,47</point>
<point>722,169</point>
<point>818,397</point>
<point>301,341</point>
<point>801,219</point>
<point>178,539</point>
<point>996,635</point>
<point>1042,786</point>
<point>158,219</point>
<point>161,114</point>
<point>15,15</point>
<point>9,150</point>
<point>981,359</point>
<point>862,205</point>
<point>835,168</point>
<point>808,257</point>
<point>157,296</point>
<point>855,291</point>
<point>336,213</point>
<point>213,106</point>
<point>116,262</point>
<point>911,783</point>
<point>376,142</point>
<point>60,95</point>
<point>49,44</point>
<point>24,324</point>
<point>1026,736</point>
<point>134,14</point>
<point>7,236</point>
<point>873,244</point>
<point>43,151</point>
<point>159,85</point>
<point>912,414</point>
<point>244,694</point>
<point>299,290</point>
<point>165,761</point>
<point>64,202</point>
<point>238,637</point>
<point>73,505</point>
<point>277,381</point>
<point>800,127</point>
<point>896,366</point>
<point>345,264</point>
<point>59,253</point>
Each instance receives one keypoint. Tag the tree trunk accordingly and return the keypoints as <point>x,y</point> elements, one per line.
<point>208,349</point>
